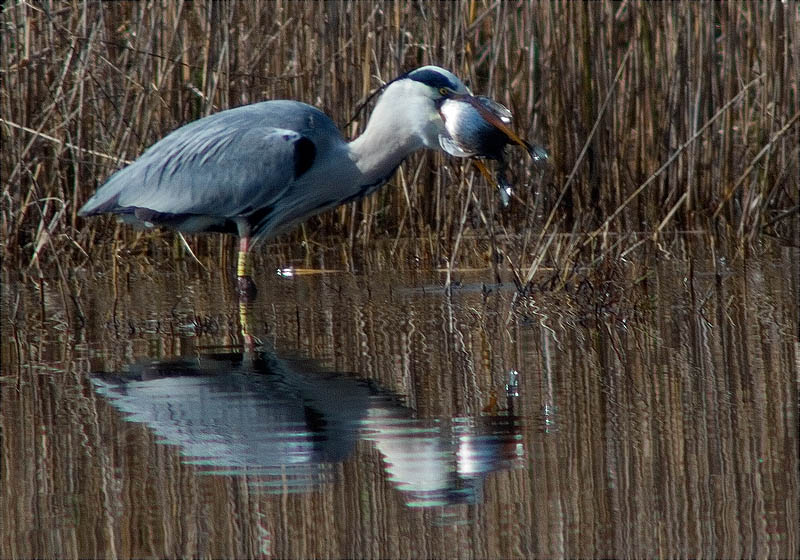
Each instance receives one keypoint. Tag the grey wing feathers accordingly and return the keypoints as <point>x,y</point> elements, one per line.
<point>225,165</point>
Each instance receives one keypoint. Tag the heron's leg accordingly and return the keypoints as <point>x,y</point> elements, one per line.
<point>247,292</point>
<point>249,341</point>
<point>244,280</point>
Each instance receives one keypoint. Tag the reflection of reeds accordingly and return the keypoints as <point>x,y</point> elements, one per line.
<point>657,418</point>
<point>657,117</point>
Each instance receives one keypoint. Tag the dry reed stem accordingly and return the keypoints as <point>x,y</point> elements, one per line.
<point>540,251</point>
<point>64,144</point>
<point>666,164</point>
<point>87,86</point>
<point>755,160</point>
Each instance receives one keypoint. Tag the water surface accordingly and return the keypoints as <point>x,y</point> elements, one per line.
<point>654,415</point>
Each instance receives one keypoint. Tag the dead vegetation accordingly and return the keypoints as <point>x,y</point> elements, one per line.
<point>657,117</point>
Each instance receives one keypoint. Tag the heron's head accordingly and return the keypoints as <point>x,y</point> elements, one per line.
<point>412,101</point>
<point>439,83</point>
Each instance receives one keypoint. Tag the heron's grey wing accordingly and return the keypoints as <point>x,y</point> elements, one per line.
<point>230,164</point>
<point>223,172</point>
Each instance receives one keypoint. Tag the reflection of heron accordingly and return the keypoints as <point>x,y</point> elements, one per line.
<point>261,168</point>
<point>285,424</point>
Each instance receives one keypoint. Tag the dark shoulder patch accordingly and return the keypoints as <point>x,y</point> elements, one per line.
<point>304,155</point>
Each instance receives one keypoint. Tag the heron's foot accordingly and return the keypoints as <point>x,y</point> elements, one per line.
<point>246,288</point>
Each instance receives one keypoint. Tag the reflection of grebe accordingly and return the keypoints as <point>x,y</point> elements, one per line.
<point>284,423</point>
<point>442,462</point>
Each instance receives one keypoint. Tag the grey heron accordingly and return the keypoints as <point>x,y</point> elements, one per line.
<point>258,169</point>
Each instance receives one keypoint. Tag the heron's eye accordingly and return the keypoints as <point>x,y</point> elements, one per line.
<point>445,91</point>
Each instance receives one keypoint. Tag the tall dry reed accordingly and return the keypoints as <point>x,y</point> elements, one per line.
<point>657,116</point>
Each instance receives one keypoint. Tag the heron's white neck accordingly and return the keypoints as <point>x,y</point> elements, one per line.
<point>404,120</point>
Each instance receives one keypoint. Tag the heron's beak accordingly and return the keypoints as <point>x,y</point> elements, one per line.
<point>493,119</point>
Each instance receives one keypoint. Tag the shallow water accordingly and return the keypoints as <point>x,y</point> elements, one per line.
<point>382,418</point>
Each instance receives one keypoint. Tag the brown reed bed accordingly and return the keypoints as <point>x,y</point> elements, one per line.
<point>658,117</point>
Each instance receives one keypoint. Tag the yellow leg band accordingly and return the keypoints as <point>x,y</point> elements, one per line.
<point>243,268</point>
